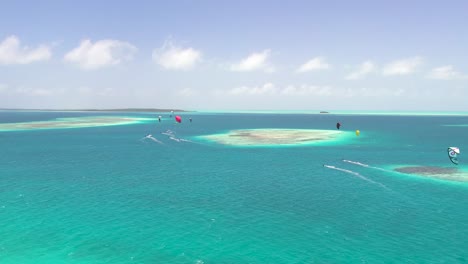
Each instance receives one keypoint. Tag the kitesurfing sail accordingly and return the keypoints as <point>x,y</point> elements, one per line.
<point>453,153</point>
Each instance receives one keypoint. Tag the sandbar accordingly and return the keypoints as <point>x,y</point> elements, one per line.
<point>443,173</point>
<point>73,122</point>
<point>275,137</point>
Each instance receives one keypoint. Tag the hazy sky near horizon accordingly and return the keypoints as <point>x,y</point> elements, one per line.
<point>235,55</point>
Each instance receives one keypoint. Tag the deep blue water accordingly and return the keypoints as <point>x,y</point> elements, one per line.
<point>101,195</point>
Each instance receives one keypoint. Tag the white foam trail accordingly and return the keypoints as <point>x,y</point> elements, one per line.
<point>155,140</point>
<point>356,163</point>
<point>175,139</point>
<point>151,138</point>
<point>364,165</point>
<point>357,175</point>
<point>168,133</point>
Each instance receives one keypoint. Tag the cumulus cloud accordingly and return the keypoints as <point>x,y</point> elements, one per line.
<point>402,67</point>
<point>176,58</point>
<point>3,87</point>
<point>291,90</point>
<point>378,92</point>
<point>314,64</point>
<point>102,53</point>
<point>29,91</point>
<point>84,90</point>
<point>105,91</point>
<point>362,70</point>
<point>446,72</point>
<point>267,88</point>
<point>307,90</point>
<point>11,52</point>
<point>88,91</point>
<point>35,91</point>
<point>187,92</point>
<point>254,62</point>
<point>304,90</point>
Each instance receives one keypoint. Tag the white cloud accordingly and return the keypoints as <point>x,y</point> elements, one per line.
<point>402,67</point>
<point>105,92</point>
<point>314,64</point>
<point>34,91</point>
<point>362,70</point>
<point>307,90</point>
<point>311,91</point>
<point>446,73</point>
<point>84,90</point>
<point>291,90</point>
<point>267,88</point>
<point>88,91</point>
<point>378,92</point>
<point>30,91</point>
<point>11,52</point>
<point>3,87</point>
<point>176,58</point>
<point>102,53</point>
<point>187,92</point>
<point>254,62</point>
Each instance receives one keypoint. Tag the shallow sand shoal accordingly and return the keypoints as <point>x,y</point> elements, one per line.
<point>274,137</point>
<point>75,122</point>
<point>443,173</point>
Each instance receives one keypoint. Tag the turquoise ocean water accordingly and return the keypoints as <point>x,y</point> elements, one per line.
<point>101,195</point>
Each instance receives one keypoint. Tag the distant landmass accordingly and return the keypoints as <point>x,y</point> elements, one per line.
<point>103,110</point>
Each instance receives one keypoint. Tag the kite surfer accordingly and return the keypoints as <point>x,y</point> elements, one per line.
<point>453,153</point>
<point>338,125</point>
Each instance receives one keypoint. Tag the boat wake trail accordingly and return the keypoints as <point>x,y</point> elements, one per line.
<point>150,137</point>
<point>364,165</point>
<point>168,133</point>
<point>171,135</point>
<point>358,175</point>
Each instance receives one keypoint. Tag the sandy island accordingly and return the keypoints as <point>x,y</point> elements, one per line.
<point>443,173</point>
<point>75,122</point>
<point>275,137</point>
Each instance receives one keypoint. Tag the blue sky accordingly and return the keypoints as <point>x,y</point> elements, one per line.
<point>241,55</point>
